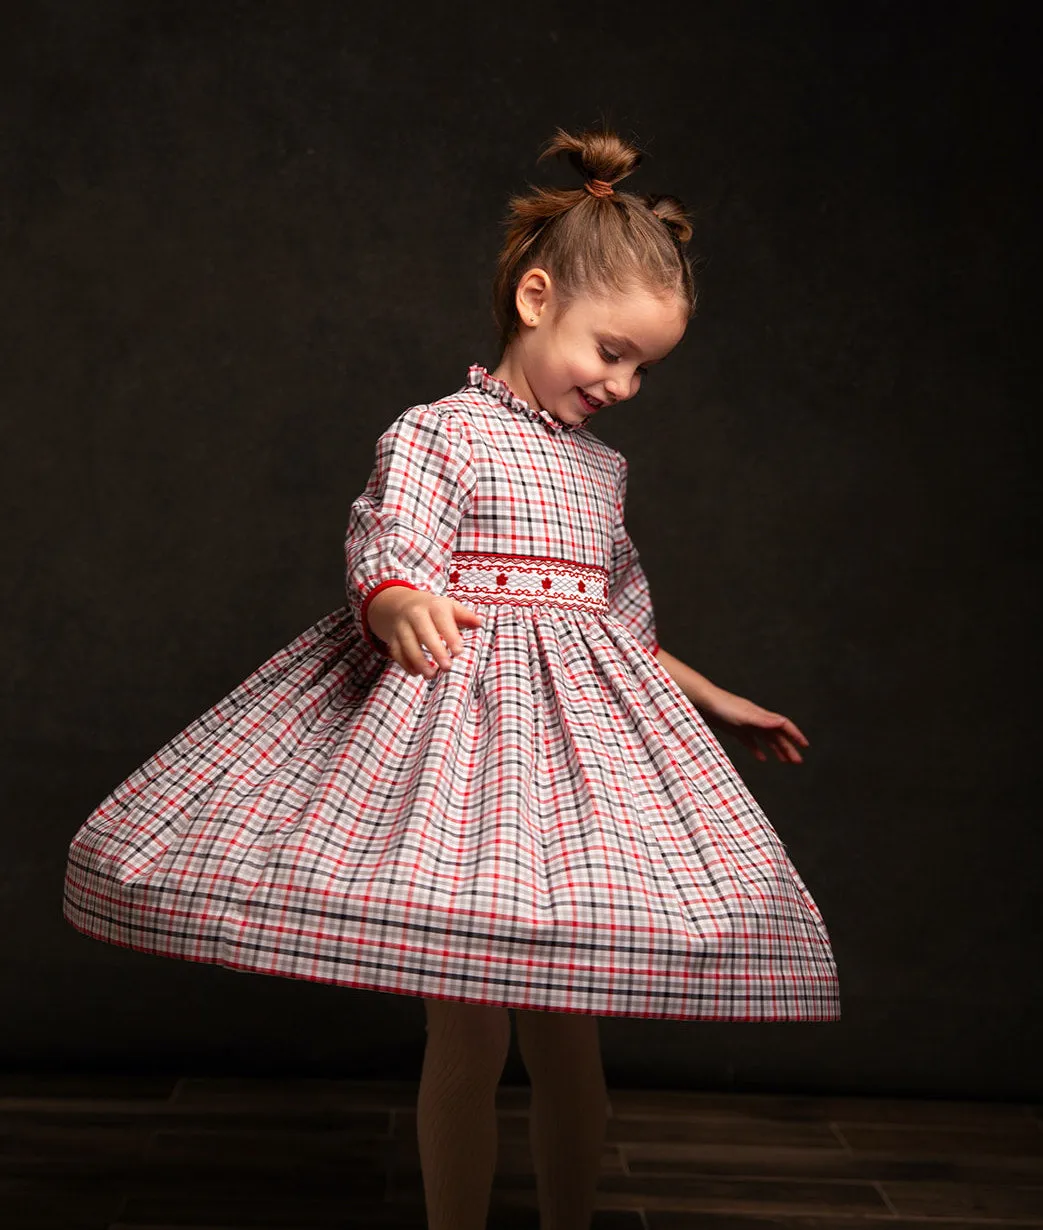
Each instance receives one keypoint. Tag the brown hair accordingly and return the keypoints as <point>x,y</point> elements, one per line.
<point>596,242</point>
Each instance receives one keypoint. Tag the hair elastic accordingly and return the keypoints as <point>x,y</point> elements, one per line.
<point>599,187</point>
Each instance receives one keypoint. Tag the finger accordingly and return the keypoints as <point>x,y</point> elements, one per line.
<point>796,750</point>
<point>770,739</point>
<point>794,732</point>
<point>789,750</point>
<point>747,739</point>
<point>777,745</point>
<point>783,734</point>
<point>462,612</point>
<point>415,660</point>
<point>424,624</point>
<point>445,621</point>
<point>397,654</point>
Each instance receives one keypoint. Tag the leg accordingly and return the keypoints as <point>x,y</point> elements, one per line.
<point>466,1051</point>
<point>568,1113</point>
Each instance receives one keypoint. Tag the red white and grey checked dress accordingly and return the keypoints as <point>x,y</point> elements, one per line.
<point>548,824</point>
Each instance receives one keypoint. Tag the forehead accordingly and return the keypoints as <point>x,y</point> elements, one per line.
<point>650,322</point>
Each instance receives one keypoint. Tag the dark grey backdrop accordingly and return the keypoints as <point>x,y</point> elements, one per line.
<point>240,238</point>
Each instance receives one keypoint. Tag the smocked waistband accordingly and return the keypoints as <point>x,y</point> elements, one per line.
<point>524,579</point>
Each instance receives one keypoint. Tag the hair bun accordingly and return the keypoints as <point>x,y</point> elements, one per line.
<point>591,245</point>
<point>595,153</point>
<point>670,211</point>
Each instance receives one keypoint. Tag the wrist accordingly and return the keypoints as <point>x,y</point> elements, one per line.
<point>378,593</point>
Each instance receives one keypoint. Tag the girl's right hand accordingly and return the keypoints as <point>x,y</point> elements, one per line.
<point>408,620</point>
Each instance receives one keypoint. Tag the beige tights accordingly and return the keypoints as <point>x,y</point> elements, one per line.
<point>467,1047</point>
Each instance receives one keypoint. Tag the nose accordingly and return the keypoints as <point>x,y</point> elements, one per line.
<point>618,389</point>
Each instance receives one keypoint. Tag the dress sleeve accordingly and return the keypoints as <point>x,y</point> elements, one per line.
<point>629,598</point>
<point>402,527</point>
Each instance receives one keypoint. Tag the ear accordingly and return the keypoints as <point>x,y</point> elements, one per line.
<point>534,293</point>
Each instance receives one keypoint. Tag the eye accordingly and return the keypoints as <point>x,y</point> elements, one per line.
<point>614,358</point>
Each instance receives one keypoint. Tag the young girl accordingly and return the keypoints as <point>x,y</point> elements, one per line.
<point>482,781</point>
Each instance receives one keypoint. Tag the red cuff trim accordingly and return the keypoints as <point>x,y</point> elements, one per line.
<point>368,635</point>
<point>655,648</point>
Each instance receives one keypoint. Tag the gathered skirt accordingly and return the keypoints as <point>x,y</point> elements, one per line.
<point>549,824</point>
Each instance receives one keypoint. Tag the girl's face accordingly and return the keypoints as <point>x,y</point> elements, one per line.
<point>590,355</point>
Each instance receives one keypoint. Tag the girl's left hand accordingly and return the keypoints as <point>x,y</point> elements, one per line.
<point>745,720</point>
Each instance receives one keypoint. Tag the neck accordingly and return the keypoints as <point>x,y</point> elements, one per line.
<point>509,370</point>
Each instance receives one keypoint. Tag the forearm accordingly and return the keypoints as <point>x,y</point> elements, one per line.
<point>699,690</point>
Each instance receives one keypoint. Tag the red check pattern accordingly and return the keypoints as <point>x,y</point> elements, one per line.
<point>547,824</point>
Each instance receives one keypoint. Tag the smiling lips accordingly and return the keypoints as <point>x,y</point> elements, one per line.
<point>591,402</point>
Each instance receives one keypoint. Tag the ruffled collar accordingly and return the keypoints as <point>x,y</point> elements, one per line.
<point>479,378</point>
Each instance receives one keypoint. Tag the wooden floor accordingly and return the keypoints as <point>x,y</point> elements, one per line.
<point>238,1154</point>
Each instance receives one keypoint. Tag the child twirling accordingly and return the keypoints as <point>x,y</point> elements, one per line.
<point>482,781</point>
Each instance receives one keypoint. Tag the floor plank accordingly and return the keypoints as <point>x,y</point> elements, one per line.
<point>113,1152</point>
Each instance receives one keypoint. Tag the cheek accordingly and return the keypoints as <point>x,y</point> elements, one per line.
<point>568,362</point>
<point>588,373</point>
<point>581,366</point>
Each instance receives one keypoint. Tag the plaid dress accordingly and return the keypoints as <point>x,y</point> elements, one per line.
<point>548,824</point>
